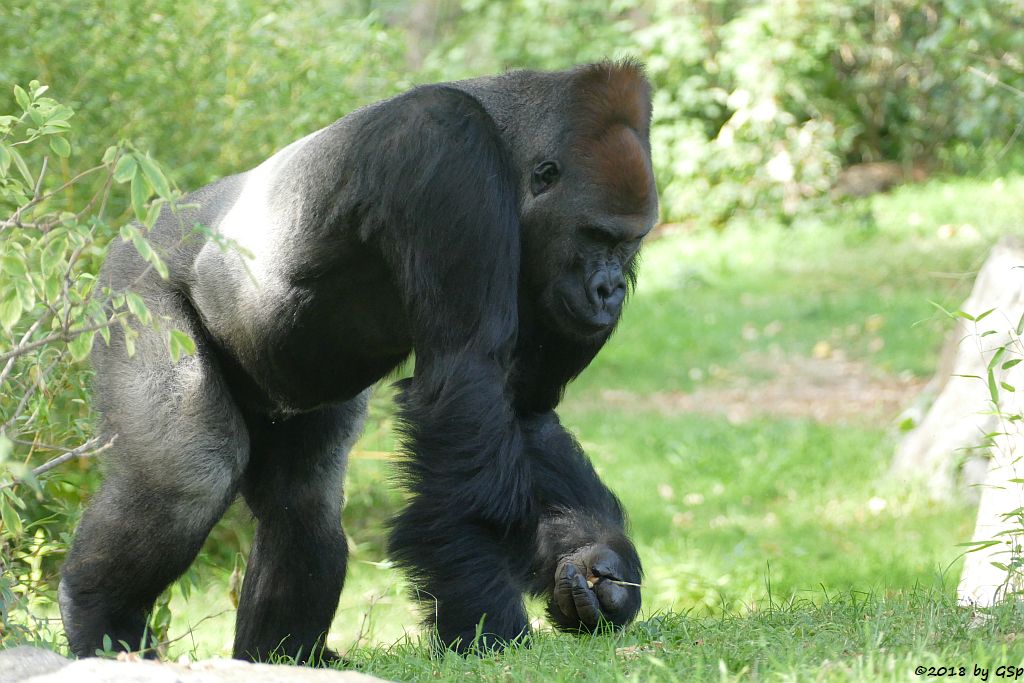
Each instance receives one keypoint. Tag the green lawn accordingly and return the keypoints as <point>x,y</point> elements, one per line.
<point>775,546</point>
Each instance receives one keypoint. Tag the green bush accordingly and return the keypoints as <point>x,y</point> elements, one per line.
<point>759,104</point>
<point>55,224</point>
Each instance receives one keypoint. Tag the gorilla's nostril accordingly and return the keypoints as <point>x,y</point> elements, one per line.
<point>609,287</point>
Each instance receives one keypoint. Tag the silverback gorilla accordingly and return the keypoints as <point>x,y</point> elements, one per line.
<point>491,227</point>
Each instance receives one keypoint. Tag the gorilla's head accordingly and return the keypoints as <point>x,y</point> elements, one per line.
<point>588,198</point>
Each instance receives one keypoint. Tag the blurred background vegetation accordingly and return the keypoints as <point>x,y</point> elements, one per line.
<point>758,105</point>
<point>769,117</point>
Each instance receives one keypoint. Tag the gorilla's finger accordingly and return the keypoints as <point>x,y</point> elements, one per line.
<point>563,590</point>
<point>607,563</point>
<point>586,603</point>
<point>612,596</point>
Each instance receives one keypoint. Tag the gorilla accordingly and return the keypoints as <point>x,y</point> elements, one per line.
<point>489,227</point>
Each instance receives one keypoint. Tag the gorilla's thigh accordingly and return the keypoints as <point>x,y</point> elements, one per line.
<point>179,448</point>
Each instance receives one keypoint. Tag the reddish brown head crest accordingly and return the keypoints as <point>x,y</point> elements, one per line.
<point>609,93</point>
<point>610,126</point>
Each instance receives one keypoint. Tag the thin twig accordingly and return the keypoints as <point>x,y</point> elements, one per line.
<point>24,340</point>
<point>617,582</point>
<point>29,393</point>
<point>66,324</point>
<point>39,180</point>
<point>191,626</point>
<point>15,219</point>
<point>992,79</point>
<point>86,450</point>
<point>68,336</point>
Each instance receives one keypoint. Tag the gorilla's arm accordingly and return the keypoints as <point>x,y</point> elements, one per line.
<point>580,534</point>
<point>446,219</point>
<point>499,502</point>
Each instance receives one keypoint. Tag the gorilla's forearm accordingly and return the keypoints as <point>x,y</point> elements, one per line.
<point>581,529</point>
<point>470,486</point>
<point>464,439</point>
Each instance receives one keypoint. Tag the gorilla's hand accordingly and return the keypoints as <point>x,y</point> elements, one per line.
<point>594,585</point>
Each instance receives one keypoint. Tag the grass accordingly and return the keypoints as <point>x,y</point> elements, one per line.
<point>776,548</point>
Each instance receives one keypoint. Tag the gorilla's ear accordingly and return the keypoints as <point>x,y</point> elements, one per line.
<point>608,93</point>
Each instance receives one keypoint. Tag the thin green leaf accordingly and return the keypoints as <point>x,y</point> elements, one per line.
<point>10,309</point>
<point>154,176</point>
<point>125,169</point>
<point>11,519</point>
<point>26,293</point>
<point>22,167</point>
<point>138,307</point>
<point>978,545</point>
<point>142,246</point>
<point>152,213</point>
<point>80,346</point>
<point>60,147</point>
<point>140,193</point>
<point>129,337</point>
<point>181,345</point>
<point>936,305</point>
<point>51,259</point>
<point>160,266</point>
<point>983,315</point>
<point>12,266</point>
<point>1010,363</point>
<point>21,97</point>
<point>993,388</point>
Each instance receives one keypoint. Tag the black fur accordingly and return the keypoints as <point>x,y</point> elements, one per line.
<point>416,224</point>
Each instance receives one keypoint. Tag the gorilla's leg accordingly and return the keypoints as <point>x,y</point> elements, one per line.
<point>297,564</point>
<point>179,448</point>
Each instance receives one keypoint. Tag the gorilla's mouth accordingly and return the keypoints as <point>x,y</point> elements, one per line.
<point>582,319</point>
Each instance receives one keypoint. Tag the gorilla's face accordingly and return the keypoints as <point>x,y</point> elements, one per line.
<point>590,291</point>
<point>584,217</point>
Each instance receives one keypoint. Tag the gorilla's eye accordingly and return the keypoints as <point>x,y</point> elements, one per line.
<point>544,176</point>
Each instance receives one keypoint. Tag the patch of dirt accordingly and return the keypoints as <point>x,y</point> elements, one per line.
<point>832,390</point>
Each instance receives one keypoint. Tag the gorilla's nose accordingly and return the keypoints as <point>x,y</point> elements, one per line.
<point>608,288</point>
